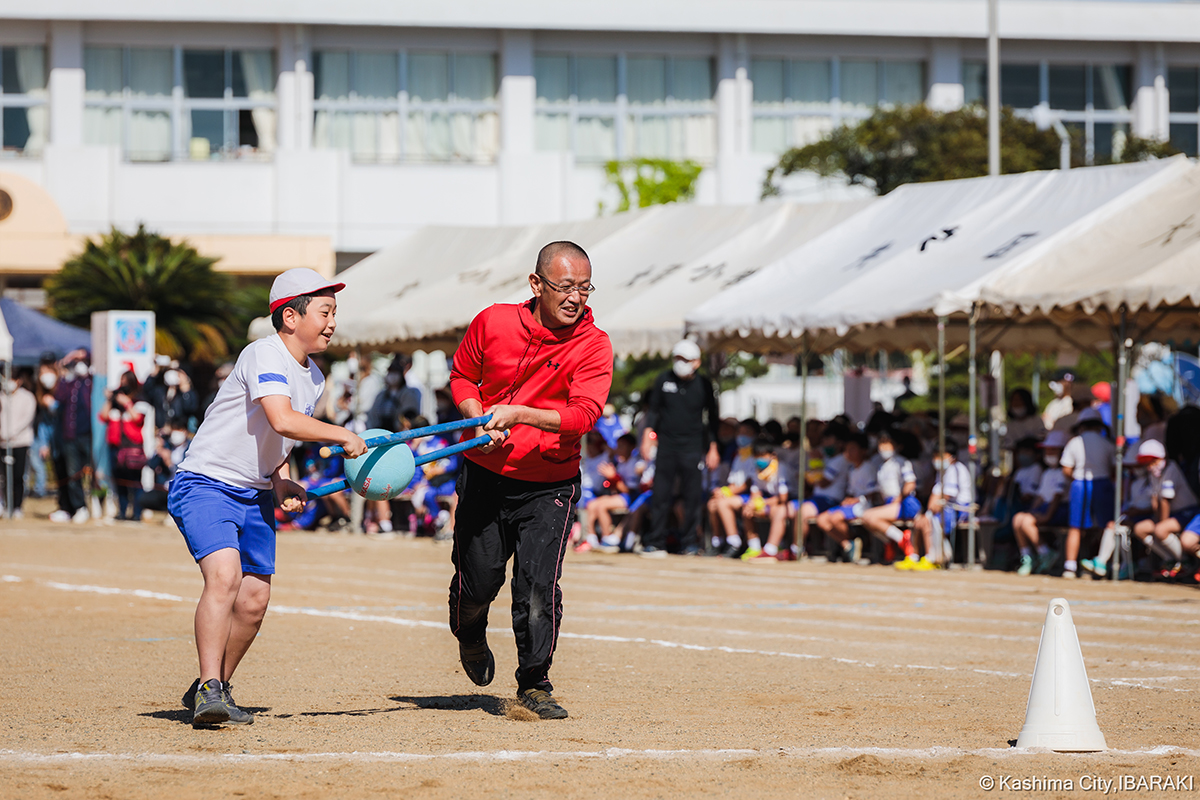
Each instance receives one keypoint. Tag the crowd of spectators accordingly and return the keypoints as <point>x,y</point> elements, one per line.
<point>876,491</point>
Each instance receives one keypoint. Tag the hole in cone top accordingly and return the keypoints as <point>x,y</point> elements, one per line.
<point>1058,610</point>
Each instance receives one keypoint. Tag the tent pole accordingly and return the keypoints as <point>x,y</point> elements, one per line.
<point>803,443</point>
<point>972,436</point>
<point>1122,373</point>
<point>1036,388</point>
<point>941,328</point>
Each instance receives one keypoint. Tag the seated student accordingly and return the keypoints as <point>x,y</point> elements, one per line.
<point>783,511</point>
<point>1050,509</point>
<point>752,486</point>
<point>768,490</point>
<point>1174,505</point>
<point>861,483</point>
<point>1138,505</point>
<point>898,486</point>
<point>623,481</point>
<point>952,494</point>
<point>1028,475</point>
<point>1087,461</point>
<point>591,481</point>
<point>722,514</point>
<point>435,484</point>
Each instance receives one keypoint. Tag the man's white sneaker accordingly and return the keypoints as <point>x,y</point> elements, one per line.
<point>81,516</point>
<point>60,516</point>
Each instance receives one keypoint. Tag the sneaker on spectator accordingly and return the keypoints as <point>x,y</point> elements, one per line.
<point>763,557</point>
<point>584,547</point>
<point>608,549</point>
<point>1045,562</point>
<point>1069,575</point>
<point>1026,567</point>
<point>1170,572</point>
<point>81,516</point>
<point>1096,567</point>
<point>732,550</point>
<point>924,565</point>
<point>752,553</point>
<point>650,551</point>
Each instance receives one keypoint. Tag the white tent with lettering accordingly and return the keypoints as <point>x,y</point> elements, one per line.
<point>875,280</point>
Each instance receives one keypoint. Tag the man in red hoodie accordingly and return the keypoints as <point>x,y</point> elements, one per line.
<point>542,369</point>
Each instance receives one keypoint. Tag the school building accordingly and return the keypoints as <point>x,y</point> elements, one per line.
<point>331,130</point>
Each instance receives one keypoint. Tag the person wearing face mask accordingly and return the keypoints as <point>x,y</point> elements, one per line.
<point>18,411</point>
<point>1050,510</point>
<point>43,433</point>
<point>1174,503</point>
<point>861,484</point>
<point>1028,474</point>
<point>948,509</point>
<point>1023,421</point>
<point>727,500</point>
<point>171,447</point>
<point>610,426</point>
<point>124,435</point>
<point>682,419</point>
<point>898,486</point>
<point>74,437</point>
<point>173,397</point>
<point>397,400</point>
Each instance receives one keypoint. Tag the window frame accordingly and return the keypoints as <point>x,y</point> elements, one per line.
<point>23,100</point>
<point>1185,118</point>
<point>627,117</point>
<point>403,105</point>
<point>177,104</point>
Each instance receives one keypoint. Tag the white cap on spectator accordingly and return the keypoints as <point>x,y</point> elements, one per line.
<point>686,349</point>
<point>1056,439</point>
<point>297,282</point>
<point>1151,450</point>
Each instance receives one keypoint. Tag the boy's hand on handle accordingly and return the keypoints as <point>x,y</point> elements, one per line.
<point>290,495</point>
<point>353,445</point>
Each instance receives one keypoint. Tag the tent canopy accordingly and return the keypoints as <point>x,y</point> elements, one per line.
<point>33,333</point>
<point>651,266</point>
<point>875,280</point>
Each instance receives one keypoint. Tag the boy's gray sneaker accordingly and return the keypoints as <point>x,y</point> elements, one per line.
<point>210,705</point>
<point>541,703</point>
<point>236,715</point>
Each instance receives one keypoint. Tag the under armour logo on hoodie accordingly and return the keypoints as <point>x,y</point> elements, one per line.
<point>552,364</point>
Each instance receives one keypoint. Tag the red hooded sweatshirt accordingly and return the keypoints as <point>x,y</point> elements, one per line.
<point>508,357</point>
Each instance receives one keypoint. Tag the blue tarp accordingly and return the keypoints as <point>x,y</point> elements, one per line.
<point>34,333</point>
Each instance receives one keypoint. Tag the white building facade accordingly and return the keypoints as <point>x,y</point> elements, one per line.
<point>363,120</point>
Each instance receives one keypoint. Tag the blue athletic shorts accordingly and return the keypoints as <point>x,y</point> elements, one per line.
<point>951,519</point>
<point>1185,515</point>
<point>1194,525</point>
<point>1061,518</point>
<point>640,501</point>
<point>1091,503</point>
<point>849,513</point>
<point>822,502</point>
<point>910,507</point>
<point>213,515</point>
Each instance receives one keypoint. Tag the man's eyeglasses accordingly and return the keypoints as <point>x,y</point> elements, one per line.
<point>584,290</point>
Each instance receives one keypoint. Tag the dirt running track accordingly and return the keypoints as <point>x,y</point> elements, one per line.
<point>683,677</point>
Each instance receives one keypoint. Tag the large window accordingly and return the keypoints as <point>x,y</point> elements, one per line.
<point>23,112</point>
<point>1184,85</point>
<point>637,106</point>
<point>797,101</point>
<point>162,103</point>
<point>1092,99</point>
<point>416,106</point>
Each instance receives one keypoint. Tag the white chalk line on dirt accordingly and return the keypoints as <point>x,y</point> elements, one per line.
<point>610,754</point>
<point>412,623</point>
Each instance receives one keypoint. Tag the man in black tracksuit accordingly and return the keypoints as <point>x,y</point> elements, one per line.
<point>687,442</point>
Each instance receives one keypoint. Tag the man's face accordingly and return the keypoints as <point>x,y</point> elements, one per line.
<point>315,328</point>
<point>560,308</point>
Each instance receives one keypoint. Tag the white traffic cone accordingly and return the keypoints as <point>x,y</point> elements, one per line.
<point>1060,714</point>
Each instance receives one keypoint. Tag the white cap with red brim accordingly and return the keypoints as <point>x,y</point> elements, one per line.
<point>297,282</point>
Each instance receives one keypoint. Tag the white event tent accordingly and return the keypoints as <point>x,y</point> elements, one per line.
<point>651,266</point>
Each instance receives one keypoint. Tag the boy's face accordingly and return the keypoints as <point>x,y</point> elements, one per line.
<point>624,450</point>
<point>316,326</point>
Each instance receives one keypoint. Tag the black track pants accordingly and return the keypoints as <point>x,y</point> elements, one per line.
<point>686,466</point>
<point>499,517</point>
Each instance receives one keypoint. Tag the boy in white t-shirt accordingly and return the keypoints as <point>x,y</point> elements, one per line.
<point>223,494</point>
<point>1087,461</point>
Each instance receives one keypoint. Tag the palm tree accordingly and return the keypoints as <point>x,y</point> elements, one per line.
<point>199,314</point>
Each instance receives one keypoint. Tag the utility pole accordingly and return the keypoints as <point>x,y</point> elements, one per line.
<point>993,73</point>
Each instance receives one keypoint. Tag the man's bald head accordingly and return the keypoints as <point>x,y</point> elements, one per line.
<point>553,251</point>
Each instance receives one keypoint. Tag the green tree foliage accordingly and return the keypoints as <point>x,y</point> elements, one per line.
<point>634,377</point>
<point>200,315</point>
<point>914,144</point>
<point>644,182</point>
